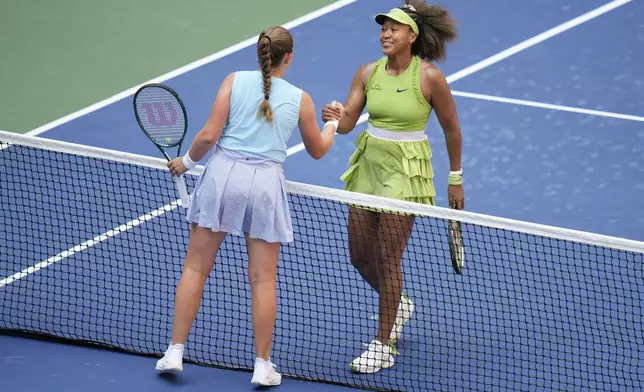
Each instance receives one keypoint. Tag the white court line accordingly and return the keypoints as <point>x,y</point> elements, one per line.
<point>187,68</point>
<point>514,49</point>
<point>96,240</point>
<point>538,38</point>
<point>452,78</point>
<point>547,106</point>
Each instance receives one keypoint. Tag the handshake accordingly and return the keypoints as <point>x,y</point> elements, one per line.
<point>333,113</point>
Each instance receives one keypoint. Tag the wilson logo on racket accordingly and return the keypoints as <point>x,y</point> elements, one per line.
<point>160,114</point>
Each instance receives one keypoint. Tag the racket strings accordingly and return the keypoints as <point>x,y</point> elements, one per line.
<point>161,115</point>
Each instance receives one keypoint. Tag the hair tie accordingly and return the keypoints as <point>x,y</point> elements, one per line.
<point>266,97</point>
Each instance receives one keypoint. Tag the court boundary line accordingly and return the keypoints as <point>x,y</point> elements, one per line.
<point>87,244</point>
<point>187,68</point>
<point>458,75</point>
<point>339,195</point>
<point>590,15</point>
<point>521,46</point>
<point>542,105</point>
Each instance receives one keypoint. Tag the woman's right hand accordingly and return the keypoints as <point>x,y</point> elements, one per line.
<point>332,111</point>
<point>177,167</point>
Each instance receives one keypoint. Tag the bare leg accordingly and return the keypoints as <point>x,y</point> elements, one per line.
<point>390,240</point>
<point>262,275</point>
<point>363,228</point>
<point>392,237</point>
<point>200,259</point>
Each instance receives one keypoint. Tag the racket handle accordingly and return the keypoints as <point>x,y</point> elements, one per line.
<point>180,182</point>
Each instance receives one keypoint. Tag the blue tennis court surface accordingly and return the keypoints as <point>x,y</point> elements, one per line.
<point>556,166</point>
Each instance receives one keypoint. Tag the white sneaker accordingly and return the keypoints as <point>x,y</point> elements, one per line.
<point>377,356</point>
<point>405,310</point>
<point>265,374</point>
<point>173,358</point>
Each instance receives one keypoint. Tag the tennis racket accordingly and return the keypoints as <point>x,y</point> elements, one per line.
<point>456,249</point>
<point>161,115</point>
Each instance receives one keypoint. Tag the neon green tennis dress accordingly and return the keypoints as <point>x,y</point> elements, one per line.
<point>386,166</point>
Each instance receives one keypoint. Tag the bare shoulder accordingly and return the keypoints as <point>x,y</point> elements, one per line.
<point>432,73</point>
<point>230,77</point>
<point>227,83</point>
<point>368,68</point>
<point>365,71</point>
<point>306,97</point>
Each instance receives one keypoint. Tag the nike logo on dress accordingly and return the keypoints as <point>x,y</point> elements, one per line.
<point>400,91</point>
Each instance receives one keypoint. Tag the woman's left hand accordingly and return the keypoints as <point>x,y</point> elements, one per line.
<point>456,197</point>
<point>177,167</point>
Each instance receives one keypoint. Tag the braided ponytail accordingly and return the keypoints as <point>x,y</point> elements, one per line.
<point>264,52</point>
<point>273,44</point>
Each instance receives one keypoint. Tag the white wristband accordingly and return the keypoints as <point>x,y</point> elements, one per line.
<point>187,162</point>
<point>333,122</point>
<point>456,173</point>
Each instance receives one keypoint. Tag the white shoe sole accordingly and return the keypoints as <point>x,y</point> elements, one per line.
<point>371,369</point>
<point>265,382</point>
<point>170,369</point>
<point>164,367</point>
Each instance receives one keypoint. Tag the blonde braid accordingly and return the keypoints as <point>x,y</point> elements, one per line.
<point>264,52</point>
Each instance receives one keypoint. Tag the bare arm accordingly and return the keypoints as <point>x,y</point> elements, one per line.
<point>209,133</point>
<point>214,126</point>
<point>443,103</point>
<point>355,102</point>
<point>317,143</point>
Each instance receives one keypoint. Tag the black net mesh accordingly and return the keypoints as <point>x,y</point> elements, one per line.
<point>91,250</point>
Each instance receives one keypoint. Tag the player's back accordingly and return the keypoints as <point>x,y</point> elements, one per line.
<point>248,133</point>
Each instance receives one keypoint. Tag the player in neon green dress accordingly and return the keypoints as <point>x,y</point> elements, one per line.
<point>393,156</point>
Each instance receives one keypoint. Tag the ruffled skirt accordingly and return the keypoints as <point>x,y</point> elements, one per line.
<point>394,169</point>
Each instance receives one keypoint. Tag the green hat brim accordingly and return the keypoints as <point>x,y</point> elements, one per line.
<point>399,16</point>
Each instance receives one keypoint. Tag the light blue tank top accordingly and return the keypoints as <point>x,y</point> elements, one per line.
<point>248,134</point>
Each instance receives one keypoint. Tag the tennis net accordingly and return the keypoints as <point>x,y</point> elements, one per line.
<point>92,243</point>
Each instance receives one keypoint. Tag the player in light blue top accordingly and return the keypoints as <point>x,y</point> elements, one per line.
<point>242,189</point>
<point>261,139</point>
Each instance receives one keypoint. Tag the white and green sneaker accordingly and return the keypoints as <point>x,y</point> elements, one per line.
<point>405,311</point>
<point>377,356</point>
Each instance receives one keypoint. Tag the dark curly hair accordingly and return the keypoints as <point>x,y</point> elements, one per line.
<point>436,28</point>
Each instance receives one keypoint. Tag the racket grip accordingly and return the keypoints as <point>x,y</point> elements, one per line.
<point>180,182</point>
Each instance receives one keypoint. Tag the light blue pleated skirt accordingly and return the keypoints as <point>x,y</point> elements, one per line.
<point>236,194</point>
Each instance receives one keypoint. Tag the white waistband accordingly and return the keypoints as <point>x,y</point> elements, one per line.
<point>238,156</point>
<point>397,136</point>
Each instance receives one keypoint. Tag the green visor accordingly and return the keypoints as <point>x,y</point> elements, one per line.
<point>399,16</point>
